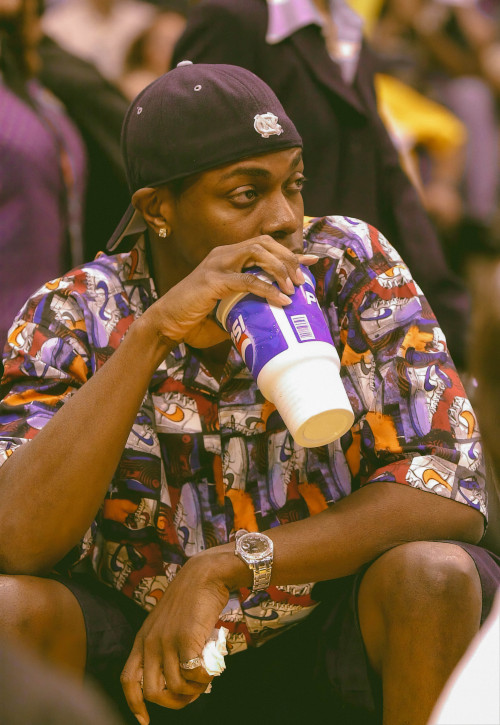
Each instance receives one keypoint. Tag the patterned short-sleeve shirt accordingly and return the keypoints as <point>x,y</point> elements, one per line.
<point>207,456</point>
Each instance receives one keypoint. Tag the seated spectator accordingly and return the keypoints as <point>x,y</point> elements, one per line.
<point>133,438</point>
<point>42,168</point>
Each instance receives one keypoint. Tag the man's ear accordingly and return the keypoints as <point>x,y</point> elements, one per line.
<point>155,205</point>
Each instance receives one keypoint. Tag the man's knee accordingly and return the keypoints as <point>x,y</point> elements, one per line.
<point>420,573</point>
<point>38,610</point>
<point>421,587</point>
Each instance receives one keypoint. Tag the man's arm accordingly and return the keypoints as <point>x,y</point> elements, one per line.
<point>357,529</point>
<point>53,485</point>
<point>334,543</point>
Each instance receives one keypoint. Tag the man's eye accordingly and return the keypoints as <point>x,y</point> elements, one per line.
<point>243,196</point>
<point>298,183</point>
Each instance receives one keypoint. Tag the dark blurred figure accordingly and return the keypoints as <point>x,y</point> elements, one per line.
<point>35,693</point>
<point>484,282</point>
<point>42,168</point>
<point>97,108</point>
<point>312,55</point>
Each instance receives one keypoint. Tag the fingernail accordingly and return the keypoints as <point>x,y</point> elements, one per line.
<point>300,276</point>
<point>311,256</point>
<point>289,285</point>
<point>142,720</point>
<point>284,299</point>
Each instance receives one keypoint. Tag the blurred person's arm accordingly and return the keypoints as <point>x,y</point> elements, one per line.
<point>483,35</point>
<point>429,23</point>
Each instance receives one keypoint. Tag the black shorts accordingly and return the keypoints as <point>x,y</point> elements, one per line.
<point>314,671</point>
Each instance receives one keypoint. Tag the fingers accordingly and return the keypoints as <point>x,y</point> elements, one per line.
<point>195,674</point>
<point>308,259</point>
<point>249,283</point>
<point>142,679</point>
<point>184,308</point>
<point>278,261</point>
<point>285,269</point>
<point>163,682</point>
<point>174,678</point>
<point>277,268</point>
<point>131,682</point>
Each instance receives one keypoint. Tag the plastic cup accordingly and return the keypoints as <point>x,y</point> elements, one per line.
<point>291,355</point>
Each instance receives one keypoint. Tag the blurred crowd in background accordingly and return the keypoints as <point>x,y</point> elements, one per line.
<point>69,68</point>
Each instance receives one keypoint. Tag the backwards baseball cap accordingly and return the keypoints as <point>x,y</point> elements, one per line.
<point>195,118</point>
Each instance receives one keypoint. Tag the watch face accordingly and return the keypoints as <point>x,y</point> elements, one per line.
<point>254,546</point>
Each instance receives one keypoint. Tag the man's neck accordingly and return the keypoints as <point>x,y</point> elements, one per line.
<point>165,267</point>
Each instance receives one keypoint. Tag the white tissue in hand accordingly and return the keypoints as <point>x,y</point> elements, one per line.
<point>214,651</point>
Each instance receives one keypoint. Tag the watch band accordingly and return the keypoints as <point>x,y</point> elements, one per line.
<point>261,575</point>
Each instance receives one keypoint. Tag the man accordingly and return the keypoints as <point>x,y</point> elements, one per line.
<point>134,437</point>
<point>312,54</point>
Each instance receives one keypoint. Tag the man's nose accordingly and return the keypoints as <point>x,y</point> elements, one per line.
<point>283,219</point>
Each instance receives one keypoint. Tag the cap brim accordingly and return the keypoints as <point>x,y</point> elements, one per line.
<point>131,224</point>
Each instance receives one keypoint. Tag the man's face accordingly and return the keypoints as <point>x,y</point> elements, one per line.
<point>252,197</point>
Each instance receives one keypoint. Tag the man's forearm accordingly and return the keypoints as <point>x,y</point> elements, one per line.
<point>352,532</point>
<point>53,486</point>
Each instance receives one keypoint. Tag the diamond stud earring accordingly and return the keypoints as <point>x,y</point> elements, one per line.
<point>163,232</point>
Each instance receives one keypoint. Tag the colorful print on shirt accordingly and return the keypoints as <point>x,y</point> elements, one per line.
<point>206,457</point>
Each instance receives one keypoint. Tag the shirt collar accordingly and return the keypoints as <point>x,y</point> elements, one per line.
<point>285,17</point>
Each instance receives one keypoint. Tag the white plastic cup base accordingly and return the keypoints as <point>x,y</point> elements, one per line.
<point>323,428</point>
<point>309,395</point>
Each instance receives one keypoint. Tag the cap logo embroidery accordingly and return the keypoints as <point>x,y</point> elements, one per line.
<point>267,125</point>
<point>139,110</point>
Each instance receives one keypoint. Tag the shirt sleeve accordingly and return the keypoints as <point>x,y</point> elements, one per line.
<point>47,358</point>
<point>414,424</point>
